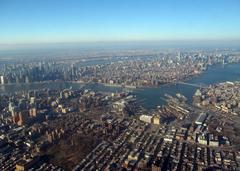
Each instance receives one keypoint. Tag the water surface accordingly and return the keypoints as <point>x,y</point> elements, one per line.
<point>150,97</point>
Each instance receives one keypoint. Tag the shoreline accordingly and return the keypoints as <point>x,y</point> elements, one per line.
<point>117,85</point>
<point>146,93</point>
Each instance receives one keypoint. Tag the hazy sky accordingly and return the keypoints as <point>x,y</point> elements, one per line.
<point>47,21</point>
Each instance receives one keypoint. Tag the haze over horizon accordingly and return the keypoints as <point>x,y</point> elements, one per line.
<point>40,24</point>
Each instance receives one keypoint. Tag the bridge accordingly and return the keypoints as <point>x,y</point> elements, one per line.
<point>193,85</point>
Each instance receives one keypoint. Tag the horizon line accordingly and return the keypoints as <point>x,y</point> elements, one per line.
<point>120,41</point>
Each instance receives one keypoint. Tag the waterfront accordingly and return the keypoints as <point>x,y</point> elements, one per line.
<point>213,75</point>
<point>149,97</point>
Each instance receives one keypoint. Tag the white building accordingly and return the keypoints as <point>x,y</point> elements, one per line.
<point>2,79</point>
<point>146,118</point>
<point>32,100</point>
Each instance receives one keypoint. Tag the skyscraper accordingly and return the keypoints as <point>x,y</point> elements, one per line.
<point>2,79</point>
<point>23,117</point>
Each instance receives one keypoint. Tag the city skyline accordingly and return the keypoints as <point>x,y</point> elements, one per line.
<point>45,22</point>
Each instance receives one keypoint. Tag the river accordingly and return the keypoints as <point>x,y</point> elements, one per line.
<point>149,97</point>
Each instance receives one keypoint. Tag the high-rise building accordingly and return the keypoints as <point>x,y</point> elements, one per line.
<point>156,120</point>
<point>32,100</point>
<point>2,79</point>
<point>179,55</point>
<point>15,117</point>
<point>33,112</point>
<point>23,118</point>
<point>11,107</point>
<point>27,80</point>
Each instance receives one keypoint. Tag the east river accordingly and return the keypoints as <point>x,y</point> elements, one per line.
<point>149,97</point>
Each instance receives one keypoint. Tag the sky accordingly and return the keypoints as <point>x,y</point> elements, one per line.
<point>62,21</point>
